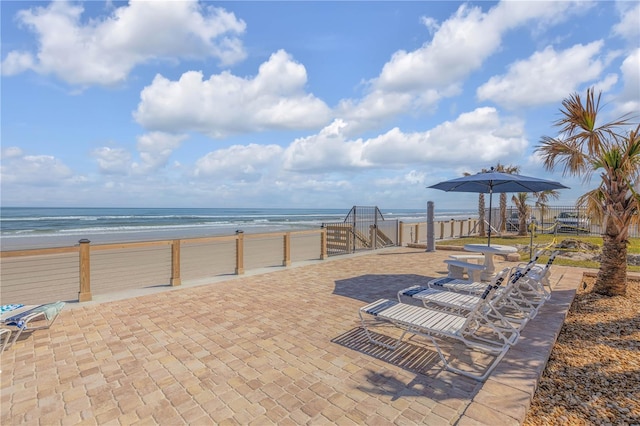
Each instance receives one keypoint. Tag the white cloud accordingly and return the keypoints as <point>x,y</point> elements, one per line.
<point>104,51</point>
<point>241,163</point>
<point>431,24</point>
<point>411,177</point>
<point>10,152</point>
<point>629,25</point>
<point>20,169</point>
<point>113,160</point>
<point>225,104</point>
<point>629,99</point>
<point>419,79</point>
<point>155,148</point>
<point>545,77</point>
<point>328,150</point>
<point>17,62</point>
<point>475,138</point>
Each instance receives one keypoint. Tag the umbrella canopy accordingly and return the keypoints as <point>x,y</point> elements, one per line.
<point>492,181</point>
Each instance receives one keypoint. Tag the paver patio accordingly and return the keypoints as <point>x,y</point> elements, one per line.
<point>283,347</point>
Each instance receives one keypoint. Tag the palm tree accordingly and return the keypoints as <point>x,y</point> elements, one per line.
<point>481,228</point>
<point>542,198</point>
<point>520,201</point>
<point>585,146</point>
<point>503,196</point>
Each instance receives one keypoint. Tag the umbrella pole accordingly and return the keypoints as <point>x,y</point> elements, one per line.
<point>490,197</point>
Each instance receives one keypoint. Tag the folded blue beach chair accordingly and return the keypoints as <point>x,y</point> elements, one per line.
<point>27,318</point>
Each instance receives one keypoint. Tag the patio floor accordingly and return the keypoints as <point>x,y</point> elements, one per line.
<point>283,347</point>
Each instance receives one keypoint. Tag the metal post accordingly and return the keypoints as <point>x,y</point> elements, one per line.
<point>431,237</point>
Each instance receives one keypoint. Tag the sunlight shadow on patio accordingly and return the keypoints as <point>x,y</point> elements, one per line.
<point>369,288</point>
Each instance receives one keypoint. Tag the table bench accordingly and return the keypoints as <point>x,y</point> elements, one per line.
<point>457,269</point>
<point>479,258</point>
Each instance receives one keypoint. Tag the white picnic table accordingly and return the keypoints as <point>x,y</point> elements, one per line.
<point>488,251</point>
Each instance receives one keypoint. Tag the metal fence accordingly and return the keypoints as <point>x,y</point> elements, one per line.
<point>563,220</point>
<point>364,228</point>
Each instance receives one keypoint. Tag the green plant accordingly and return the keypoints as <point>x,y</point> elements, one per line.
<point>612,149</point>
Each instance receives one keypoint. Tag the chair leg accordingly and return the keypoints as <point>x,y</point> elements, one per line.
<point>481,377</point>
<point>378,342</point>
<point>5,336</point>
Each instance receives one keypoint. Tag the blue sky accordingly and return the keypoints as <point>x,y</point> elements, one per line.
<point>295,104</point>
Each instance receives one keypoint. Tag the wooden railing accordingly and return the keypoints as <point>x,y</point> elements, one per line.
<point>414,233</point>
<point>82,271</point>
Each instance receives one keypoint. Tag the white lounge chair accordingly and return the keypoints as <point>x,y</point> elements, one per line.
<point>30,318</point>
<point>540,273</point>
<point>472,329</point>
<point>500,308</point>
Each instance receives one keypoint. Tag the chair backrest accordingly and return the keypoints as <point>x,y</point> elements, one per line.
<point>498,280</point>
<point>544,269</point>
<point>487,296</point>
<point>536,256</point>
<point>516,275</point>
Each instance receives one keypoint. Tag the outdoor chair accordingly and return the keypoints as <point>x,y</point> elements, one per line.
<point>540,273</point>
<point>472,329</point>
<point>500,308</point>
<point>23,318</point>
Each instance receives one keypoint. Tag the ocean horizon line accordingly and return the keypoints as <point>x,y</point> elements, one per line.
<point>40,227</point>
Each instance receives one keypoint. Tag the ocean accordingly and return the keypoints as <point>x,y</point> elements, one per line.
<point>24,228</point>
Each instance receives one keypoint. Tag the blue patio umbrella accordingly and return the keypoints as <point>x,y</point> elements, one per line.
<point>492,181</point>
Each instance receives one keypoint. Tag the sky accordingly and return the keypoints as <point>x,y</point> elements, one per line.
<point>294,103</point>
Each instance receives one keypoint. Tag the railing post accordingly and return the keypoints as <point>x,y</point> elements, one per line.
<point>287,249</point>
<point>84,295</point>
<point>372,236</point>
<point>175,263</point>
<point>239,252</point>
<point>442,230</point>
<point>400,232</point>
<point>461,229</point>
<point>415,237</point>
<point>351,240</point>
<point>453,223</point>
<point>323,243</point>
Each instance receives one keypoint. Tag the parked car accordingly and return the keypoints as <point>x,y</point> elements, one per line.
<point>513,222</point>
<point>572,222</point>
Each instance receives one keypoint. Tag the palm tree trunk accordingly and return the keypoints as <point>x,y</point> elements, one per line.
<point>612,276</point>
<point>503,212</point>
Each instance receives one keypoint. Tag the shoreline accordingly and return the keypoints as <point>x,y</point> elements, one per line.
<point>27,242</point>
<point>33,228</point>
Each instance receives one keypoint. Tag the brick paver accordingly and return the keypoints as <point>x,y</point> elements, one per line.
<point>283,347</point>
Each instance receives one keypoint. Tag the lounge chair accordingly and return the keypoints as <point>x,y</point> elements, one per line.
<point>29,318</point>
<point>541,273</point>
<point>472,330</point>
<point>501,308</point>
